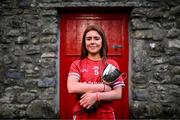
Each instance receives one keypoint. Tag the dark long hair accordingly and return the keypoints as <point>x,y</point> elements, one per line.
<point>104,48</point>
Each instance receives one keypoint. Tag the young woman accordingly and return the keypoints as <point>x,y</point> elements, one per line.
<point>85,78</point>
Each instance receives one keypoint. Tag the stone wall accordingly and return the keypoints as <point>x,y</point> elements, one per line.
<point>156,60</point>
<point>28,50</point>
<point>29,56</point>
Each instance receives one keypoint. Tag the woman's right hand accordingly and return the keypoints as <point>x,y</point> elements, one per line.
<point>88,99</point>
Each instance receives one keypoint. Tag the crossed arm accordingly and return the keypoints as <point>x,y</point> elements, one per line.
<point>92,91</point>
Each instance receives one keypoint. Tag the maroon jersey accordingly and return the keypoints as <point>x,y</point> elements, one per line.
<point>90,71</point>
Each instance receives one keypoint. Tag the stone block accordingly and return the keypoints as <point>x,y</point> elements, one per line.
<point>174,60</point>
<point>49,72</point>
<point>140,94</point>
<point>17,51</point>
<point>47,82</point>
<point>162,77</point>
<point>139,78</point>
<point>16,22</point>
<point>139,109</point>
<point>159,60</point>
<point>50,29</point>
<point>47,94</point>
<point>176,79</point>
<point>140,24</point>
<point>49,47</point>
<point>48,55</point>
<point>29,68</point>
<point>155,54</point>
<point>168,25</point>
<point>161,68</point>
<point>154,110</point>
<point>21,40</point>
<point>158,34</point>
<point>165,97</point>
<point>136,12</point>
<point>157,13</point>
<point>47,62</point>
<point>48,39</point>
<point>171,52</point>
<point>14,75</point>
<point>24,3</point>
<point>26,59</point>
<point>31,83</point>
<point>11,91</point>
<point>50,12</point>
<point>174,44</point>
<point>6,100</point>
<point>5,40</point>
<point>159,47</point>
<point>40,109</point>
<point>172,33</point>
<point>25,98</point>
<point>143,34</point>
<point>176,70</point>
<point>8,111</point>
<point>174,91</point>
<point>13,33</point>
<point>175,10</point>
<point>31,49</point>
<point>7,59</point>
<point>170,110</point>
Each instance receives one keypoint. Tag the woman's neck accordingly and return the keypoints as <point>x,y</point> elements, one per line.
<point>95,57</point>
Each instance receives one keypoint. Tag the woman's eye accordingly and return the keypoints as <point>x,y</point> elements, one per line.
<point>88,38</point>
<point>96,38</point>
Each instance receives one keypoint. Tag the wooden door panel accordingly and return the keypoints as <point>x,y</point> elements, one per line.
<point>114,36</point>
<point>71,30</point>
<point>71,38</point>
<point>93,22</point>
<point>81,26</point>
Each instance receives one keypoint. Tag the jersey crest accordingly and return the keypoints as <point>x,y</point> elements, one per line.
<point>96,70</point>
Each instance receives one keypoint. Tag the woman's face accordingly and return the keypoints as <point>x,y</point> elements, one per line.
<point>93,42</point>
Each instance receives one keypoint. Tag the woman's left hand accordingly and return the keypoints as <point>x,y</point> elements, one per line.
<point>87,100</point>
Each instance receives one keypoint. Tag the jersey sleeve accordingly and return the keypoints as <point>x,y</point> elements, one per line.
<point>75,69</point>
<point>119,81</point>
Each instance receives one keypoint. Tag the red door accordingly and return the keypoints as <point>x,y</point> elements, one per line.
<point>71,30</point>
